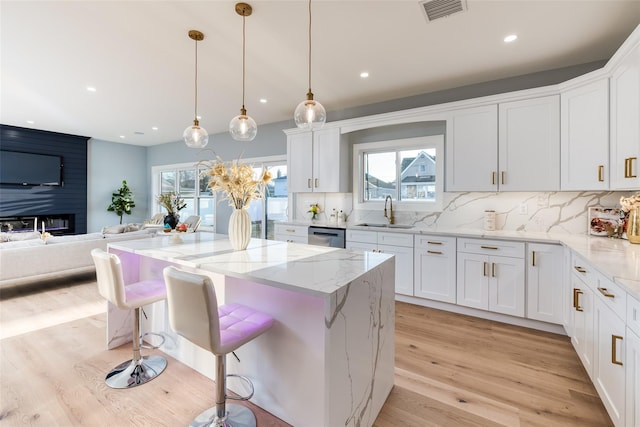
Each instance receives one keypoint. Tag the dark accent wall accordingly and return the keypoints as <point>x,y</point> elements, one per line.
<point>70,198</point>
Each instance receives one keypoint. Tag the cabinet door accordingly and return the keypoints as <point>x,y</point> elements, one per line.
<point>584,137</point>
<point>625,124</point>
<point>529,144</point>
<point>472,149</point>
<point>331,165</point>
<point>583,309</point>
<point>362,247</point>
<point>472,279</point>
<point>435,268</point>
<point>404,267</point>
<point>506,286</point>
<point>545,287</point>
<point>299,162</point>
<point>609,361</point>
<point>632,405</point>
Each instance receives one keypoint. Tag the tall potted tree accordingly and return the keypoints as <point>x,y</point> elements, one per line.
<point>122,201</point>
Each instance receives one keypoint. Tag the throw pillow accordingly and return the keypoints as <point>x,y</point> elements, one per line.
<point>114,229</point>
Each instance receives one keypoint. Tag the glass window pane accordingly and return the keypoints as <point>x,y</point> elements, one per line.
<point>204,183</point>
<point>276,198</point>
<point>206,211</point>
<point>418,174</point>
<point>189,209</point>
<point>379,175</point>
<point>187,182</point>
<point>167,182</point>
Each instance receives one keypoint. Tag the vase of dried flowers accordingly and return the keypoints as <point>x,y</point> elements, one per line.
<point>239,185</point>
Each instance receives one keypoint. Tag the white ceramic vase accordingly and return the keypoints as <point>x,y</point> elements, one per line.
<point>240,229</point>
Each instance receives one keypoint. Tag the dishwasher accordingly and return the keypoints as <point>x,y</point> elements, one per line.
<point>327,236</point>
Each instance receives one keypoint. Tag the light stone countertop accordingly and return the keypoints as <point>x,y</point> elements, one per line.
<point>616,259</point>
<point>315,270</point>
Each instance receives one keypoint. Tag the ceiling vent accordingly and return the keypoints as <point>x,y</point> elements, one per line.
<point>434,9</point>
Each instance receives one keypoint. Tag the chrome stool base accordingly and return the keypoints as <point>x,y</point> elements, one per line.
<point>237,416</point>
<point>131,373</point>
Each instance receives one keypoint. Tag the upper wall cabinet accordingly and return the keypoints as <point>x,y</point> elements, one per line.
<point>472,149</point>
<point>318,161</point>
<point>625,123</point>
<point>529,144</point>
<point>584,137</point>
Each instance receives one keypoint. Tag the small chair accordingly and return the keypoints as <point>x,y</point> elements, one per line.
<point>140,369</point>
<point>156,221</point>
<point>195,315</point>
<point>192,222</point>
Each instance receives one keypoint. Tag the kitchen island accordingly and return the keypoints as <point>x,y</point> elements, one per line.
<point>328,360</point>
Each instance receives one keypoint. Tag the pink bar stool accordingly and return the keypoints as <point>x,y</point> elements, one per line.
<point>195,315</point>
<point>140,369</point>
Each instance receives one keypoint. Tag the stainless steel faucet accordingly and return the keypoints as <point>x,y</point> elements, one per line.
<point>390,216</point>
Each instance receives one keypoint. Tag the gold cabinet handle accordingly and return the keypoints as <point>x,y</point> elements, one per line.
<point>484,269</point>
<point>309,183</point>
<point>434,243</point>
<point>502,177</point>
<point>290,230</point>
<point>316,182</point>
<point>434,252</point>
<point>606,293</point>
<point>600,173</point>
<point>580,269</point>
<point>493,178</point>
<point>614,356</point>
<point>493,269</point>
<point>489,247</point>
<point>533,258</point>
<point>628,167</point>
<point>576,299</point>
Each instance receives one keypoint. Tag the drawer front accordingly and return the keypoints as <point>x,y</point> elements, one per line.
<point>583,269</point>
<point>291,230</point>
<point>491,247</point>
<point>362,236</point>
<point>291,238</point>
<point>613,296</point>
<point>395,239</point>
<point>436,244</point>
<point>633,314</point>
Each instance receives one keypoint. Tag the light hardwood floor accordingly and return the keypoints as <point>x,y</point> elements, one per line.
<point>451,370</point>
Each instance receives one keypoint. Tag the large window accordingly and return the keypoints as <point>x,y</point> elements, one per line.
<point>410,171</point>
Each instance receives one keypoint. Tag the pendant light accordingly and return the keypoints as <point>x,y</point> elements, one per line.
<point>243,127</point>
<point>195,136</point>
<point>310,114</point>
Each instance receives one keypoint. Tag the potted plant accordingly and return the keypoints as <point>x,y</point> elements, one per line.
<point>173,204</point>
<point>122,201</point>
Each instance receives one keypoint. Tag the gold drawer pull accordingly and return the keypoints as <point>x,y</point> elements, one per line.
<point>628,167</point>
<point>489,247</point>
<point>493,178</point>
<point>309,183</point>
<point>484,269</point>
<point>614,356</point>
<point>580,269</point>
<point>600,173</point>
<point>434,252</point>
<point>316,182</point>
<point>434,243</point>
<point>576,299</point>
<point>493,269</point>
<point>290,230</point>
<point>606,293</point>
<point>533,258</point>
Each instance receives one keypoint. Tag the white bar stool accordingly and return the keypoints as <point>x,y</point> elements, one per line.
<point>140,369</point>
<point>195,315</point>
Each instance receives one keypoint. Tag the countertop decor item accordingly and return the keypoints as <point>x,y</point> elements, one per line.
<point>313,211</point>
<point>631,207</point>
<point>605,221</point>
<point>239,185</point>
<point>173,204</point>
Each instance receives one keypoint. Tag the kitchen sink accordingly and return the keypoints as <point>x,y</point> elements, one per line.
<point>368,224</point>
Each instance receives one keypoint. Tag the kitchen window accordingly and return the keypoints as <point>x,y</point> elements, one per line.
<point>408,170</point>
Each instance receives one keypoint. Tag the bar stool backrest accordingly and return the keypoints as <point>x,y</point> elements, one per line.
<point>110,278</point>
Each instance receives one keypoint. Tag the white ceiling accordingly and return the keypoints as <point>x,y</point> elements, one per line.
<point>139,58</point>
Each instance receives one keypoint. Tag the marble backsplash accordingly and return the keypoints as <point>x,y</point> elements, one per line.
<point>564,212</point>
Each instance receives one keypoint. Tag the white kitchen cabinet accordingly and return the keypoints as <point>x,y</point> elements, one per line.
<point>583,283</point>
<point>435,268</point>
<point>471,149</point>
<point>490,276</point>
<point>318,161</point>
<point>584,137</point>
<point>291,233</point>
<point>625,123</point>
<point>529,144</point>
<point>609,360</point>
<point>545,282</point>
<point>398,244</point>
<point>567,294</point>
<point>632,383</point>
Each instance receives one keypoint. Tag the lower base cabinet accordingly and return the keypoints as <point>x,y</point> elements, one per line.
<point>632,410</point>
<point>435,268</point>
<point>545,264</point>
<point>583,309</point>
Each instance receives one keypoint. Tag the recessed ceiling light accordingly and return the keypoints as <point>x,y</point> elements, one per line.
<point>510,38</point>
<point>91,88</point>
<point>364,74</point>
<point>263,100</point>
<point>121,136</point>
<point>154,128</point>
<point>30,122</point>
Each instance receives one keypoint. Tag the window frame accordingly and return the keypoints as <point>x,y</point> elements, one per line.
<point>397,145</point>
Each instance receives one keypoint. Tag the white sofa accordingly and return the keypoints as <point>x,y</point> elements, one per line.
<point>25,257</point>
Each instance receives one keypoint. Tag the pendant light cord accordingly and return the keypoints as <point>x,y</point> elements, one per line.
<point>195,106</point>
<point>243,57</point>
<point>309,46</point>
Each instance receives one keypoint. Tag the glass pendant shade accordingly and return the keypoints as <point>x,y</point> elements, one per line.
<point>243,128</point>
<point>195,136</point>
<point>310,114</point>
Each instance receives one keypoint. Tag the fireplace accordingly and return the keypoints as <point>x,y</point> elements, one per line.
<point>56,224</point>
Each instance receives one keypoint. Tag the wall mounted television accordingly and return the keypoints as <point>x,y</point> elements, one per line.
<point>17,168</point>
